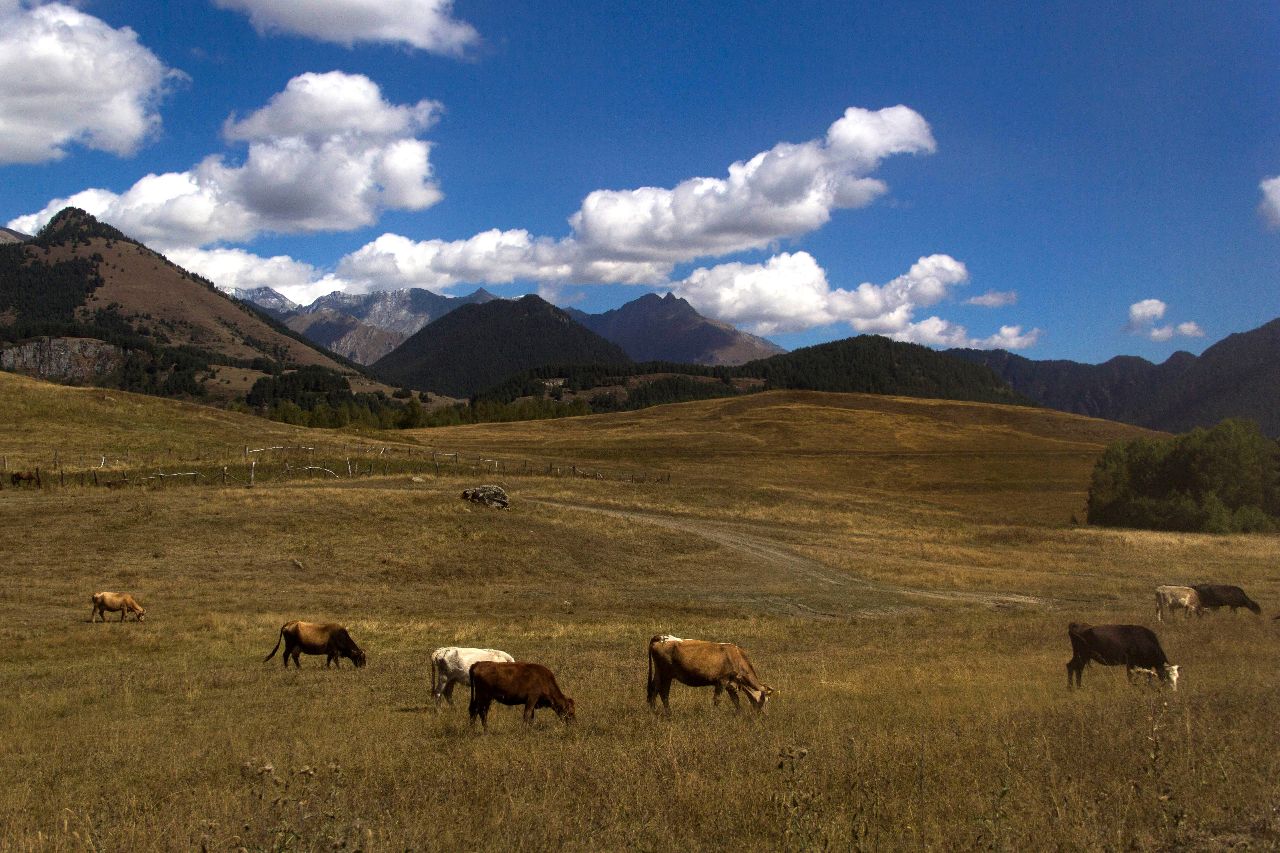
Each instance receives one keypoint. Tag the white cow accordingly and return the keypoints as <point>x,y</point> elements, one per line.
<point>1170,598</point>
<point>451,665</point>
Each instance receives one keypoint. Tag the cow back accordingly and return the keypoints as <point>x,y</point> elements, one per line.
<point>1113,645</point>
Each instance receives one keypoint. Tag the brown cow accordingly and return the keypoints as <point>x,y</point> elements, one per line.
<point>699,663</point>
<point>115,601</point>
<point>329,639</point>
<point>519,683</point>
<point>20,477</point>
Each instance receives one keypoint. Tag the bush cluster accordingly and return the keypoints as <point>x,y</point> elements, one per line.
<point>1221,480</point>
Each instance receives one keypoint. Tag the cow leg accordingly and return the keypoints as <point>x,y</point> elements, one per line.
<point>715,697</point>
<point>733,695</point>
<point>664,693</point>
<point>1077,669</point>
<point>659,687</point>
<point>123,611</point>
<point>529,708</point>
<point>446,690</point>
<point>480,708</point>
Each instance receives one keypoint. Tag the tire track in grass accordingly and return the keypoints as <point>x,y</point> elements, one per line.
<point>772,553</point>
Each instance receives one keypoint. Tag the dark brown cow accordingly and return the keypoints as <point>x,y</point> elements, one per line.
<point>1131,646</point>
<point>120,602</point>
<point>699,663</point>
<point>1215,595</point>
<point>17,478</point>
<point>518,683</point>
<point>329,639</point>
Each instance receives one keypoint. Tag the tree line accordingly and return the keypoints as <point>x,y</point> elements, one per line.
<point>1220,480</point>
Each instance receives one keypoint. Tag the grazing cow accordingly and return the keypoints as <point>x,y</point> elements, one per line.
<point>1215,595</point>
<point>329,639</point>
<point>517,683</point>
<point>451,665</point>
<point>17,478</point>
<point>1170,598</point>
<point>699,663</point>
<point>1133,646</point>
<point>115,601</point>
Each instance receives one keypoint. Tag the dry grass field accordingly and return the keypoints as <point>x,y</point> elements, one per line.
<point>901,571</point>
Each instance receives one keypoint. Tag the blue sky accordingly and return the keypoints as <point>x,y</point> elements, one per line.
<point>1093,174</point>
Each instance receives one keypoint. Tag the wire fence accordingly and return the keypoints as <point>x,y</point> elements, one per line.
<point>273,464</point>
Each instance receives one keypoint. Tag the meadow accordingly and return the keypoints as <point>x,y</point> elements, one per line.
<point>901,571</point>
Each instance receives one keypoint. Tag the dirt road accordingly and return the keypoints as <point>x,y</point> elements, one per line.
<point>777,556</point>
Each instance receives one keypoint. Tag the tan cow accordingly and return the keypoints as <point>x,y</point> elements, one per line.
<point>1170,598</point>
<point>115,601</point>
<point>329,639</point>
<point>699,663</point>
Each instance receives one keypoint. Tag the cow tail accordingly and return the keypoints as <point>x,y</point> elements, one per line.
<point>277,648</point>
<point>649,684</point>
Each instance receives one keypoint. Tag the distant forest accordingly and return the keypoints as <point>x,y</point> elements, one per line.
<point>1221,480</point>
<point>867,364</point>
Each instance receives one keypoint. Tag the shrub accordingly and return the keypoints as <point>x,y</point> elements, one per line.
<point>1222,480</point>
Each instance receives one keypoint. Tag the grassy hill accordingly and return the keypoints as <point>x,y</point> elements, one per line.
<point>901,570</point>
<point>168,331</point>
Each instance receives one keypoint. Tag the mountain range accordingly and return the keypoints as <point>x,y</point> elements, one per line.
<point>478,345</point>
<point>365,327</point>
<point>1238,377</point>
<point>8,235</point>
<point>667,328</point>
<point>82,302</point>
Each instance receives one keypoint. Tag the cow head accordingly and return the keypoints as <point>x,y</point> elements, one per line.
<point>566,710</point>
<point>1169,674</point>
<point>759,697</point>
<point>357,655</point>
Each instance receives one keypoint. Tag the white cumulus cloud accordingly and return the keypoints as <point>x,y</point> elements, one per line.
<point>1146,313</point>
<point>326,154</point>
<point>994,299</point>
<point>934,331</point>
<point>638,236</point>
<point>232,268</point>
<point>490,257</point>
<point>1269,207</point>
<point>70,78</point>
<point>1144,319</point>
<point>425,24</point>
<point>789,190</point>
<point>790,293</point>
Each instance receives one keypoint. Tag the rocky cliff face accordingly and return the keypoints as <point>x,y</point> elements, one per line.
<point>273,302</point>
<point>62,359</point>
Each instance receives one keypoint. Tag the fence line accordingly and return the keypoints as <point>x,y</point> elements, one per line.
<point>270,464</point>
